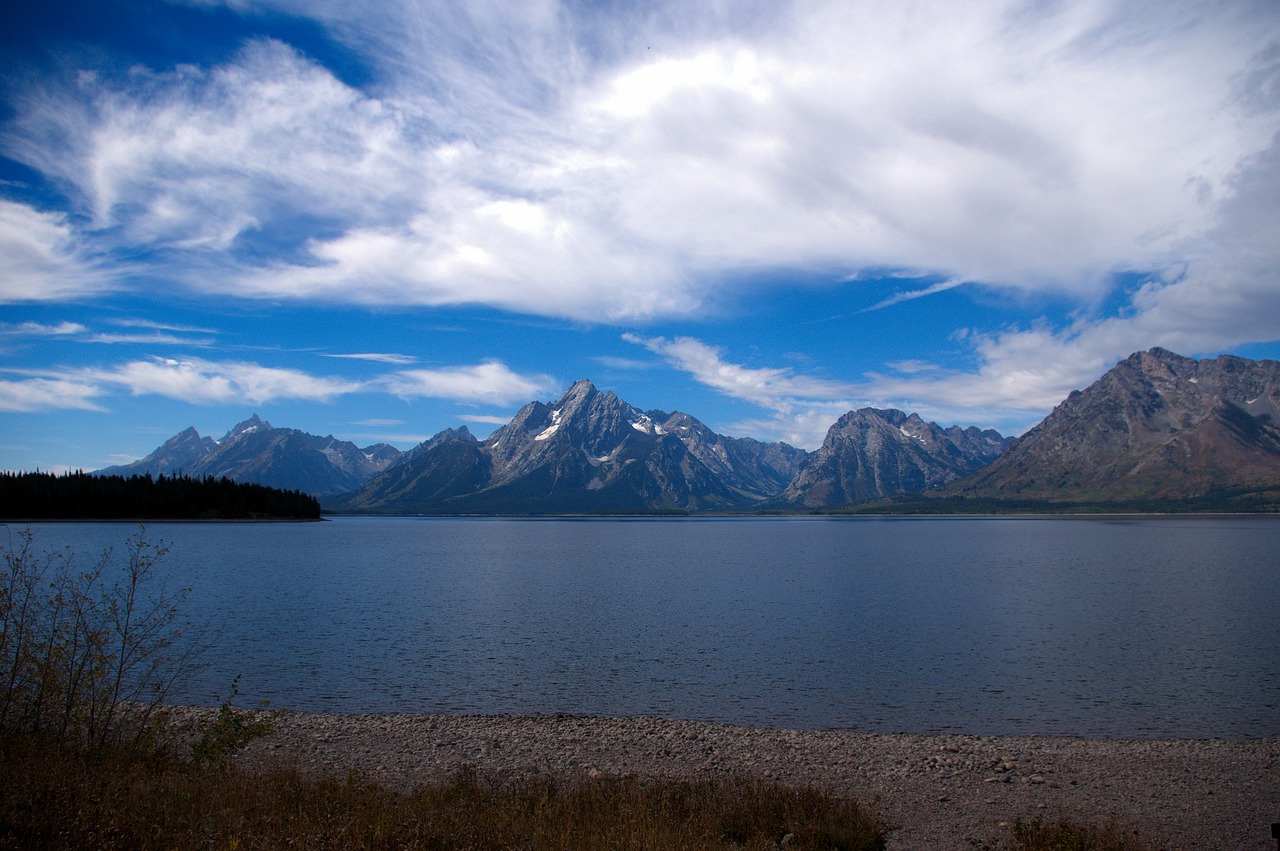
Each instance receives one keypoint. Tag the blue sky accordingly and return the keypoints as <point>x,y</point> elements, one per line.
<point>379,220</point>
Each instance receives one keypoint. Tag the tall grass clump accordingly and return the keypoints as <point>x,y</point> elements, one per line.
<point>88,654</point>
<point>1039,835</point>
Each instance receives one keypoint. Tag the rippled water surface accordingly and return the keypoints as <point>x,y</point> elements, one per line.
<point>1114,627</point>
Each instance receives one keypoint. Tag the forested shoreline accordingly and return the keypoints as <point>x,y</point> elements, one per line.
<point>83,496</point>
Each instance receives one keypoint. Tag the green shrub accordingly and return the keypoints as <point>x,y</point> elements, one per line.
<point>228,733</point>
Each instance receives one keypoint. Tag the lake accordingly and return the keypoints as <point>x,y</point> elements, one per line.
<point>1117,627</point>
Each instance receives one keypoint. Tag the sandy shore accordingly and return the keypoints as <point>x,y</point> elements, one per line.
<point>944,792</point>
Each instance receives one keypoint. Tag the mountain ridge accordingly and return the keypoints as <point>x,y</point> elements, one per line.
<point>255,452</point>
<point>591,452</point>
<point>1157,426</point>
<point>1155,429</point>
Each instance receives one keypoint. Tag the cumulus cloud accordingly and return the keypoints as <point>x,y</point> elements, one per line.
<point>489,382</point>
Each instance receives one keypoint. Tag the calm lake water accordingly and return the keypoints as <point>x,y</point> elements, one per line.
<point>1146,627</point>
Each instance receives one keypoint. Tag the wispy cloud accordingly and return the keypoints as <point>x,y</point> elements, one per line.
<point>770,387</point>
<point>49,394</point>
<point>204,382</point>
<point>151,338</point>
<point>802,407</point>
<point>908,295</point>
<point>487,419</point>
<point>376,357</point>
<point>45,258</point>
<point>541,158</point>
<point>192,380</point>
<point>38,329</point>
<point>379,423</point>
<point>489,382</point>
<point>977,148</point>
<point>629,364</point>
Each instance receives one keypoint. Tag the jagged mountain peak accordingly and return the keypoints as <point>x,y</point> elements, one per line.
<point>872,453</point>
<point>580,391</point>
<point>256,452</point>
<point>254,423</point>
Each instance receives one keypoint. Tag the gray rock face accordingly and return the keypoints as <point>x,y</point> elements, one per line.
<point>871,454</point>
<point>177,455</point>
<point>587,451</point>
<point>1156,426</point>
<point>256,452</point>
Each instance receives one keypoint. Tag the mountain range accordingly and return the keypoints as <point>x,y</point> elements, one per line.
<point>1157,426</point>
<point>255,452</point>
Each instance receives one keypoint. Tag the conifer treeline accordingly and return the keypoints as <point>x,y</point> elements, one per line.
<point>82,496</point>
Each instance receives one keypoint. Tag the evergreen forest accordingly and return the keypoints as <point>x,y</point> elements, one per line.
<point>83,496</point>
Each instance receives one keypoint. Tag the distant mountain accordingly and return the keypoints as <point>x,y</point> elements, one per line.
<point>179,454</point>
<point>587,452</point>
<point>255,452</point>
<point>870,454</point>
<point>1157,426</point>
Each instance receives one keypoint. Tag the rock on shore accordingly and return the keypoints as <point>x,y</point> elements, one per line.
<point>943,791</point>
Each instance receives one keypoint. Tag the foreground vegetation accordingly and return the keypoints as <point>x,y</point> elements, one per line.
<point>89,654</point>
<point>62,799</point>
<point>81,496</point>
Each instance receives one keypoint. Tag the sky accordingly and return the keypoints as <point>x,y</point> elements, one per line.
<point>379,220</point>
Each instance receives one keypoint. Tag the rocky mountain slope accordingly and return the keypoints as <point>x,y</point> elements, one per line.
<point>255,452</point>
<point>869,454</point>
<point>1158,426</point>
<point>586,452</point>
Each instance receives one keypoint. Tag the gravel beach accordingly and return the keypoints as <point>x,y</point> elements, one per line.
<point>943,791</point>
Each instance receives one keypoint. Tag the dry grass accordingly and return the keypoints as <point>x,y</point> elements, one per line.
<point>55,798</point>
<point>1062,835</point>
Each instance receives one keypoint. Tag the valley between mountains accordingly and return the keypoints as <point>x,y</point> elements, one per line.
<point>1157,432</point>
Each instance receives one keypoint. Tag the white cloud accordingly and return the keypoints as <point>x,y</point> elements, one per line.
<point>42,258</point>
<point>204,382</point>
<point>910,295</point>
<point>48,394</point>
<point>192,380</point>
<point>1022,375</point>
<point>487,419</point>
<point>489,382</point>
<point>803,406</point>
<point>38,329</point>
<point>376,357</point>
<point>542,158</point>
<point>770,387</point>
<point>539,159</point>
<point>152,338</point>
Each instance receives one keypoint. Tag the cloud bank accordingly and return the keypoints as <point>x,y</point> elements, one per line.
<point>640,163</point>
